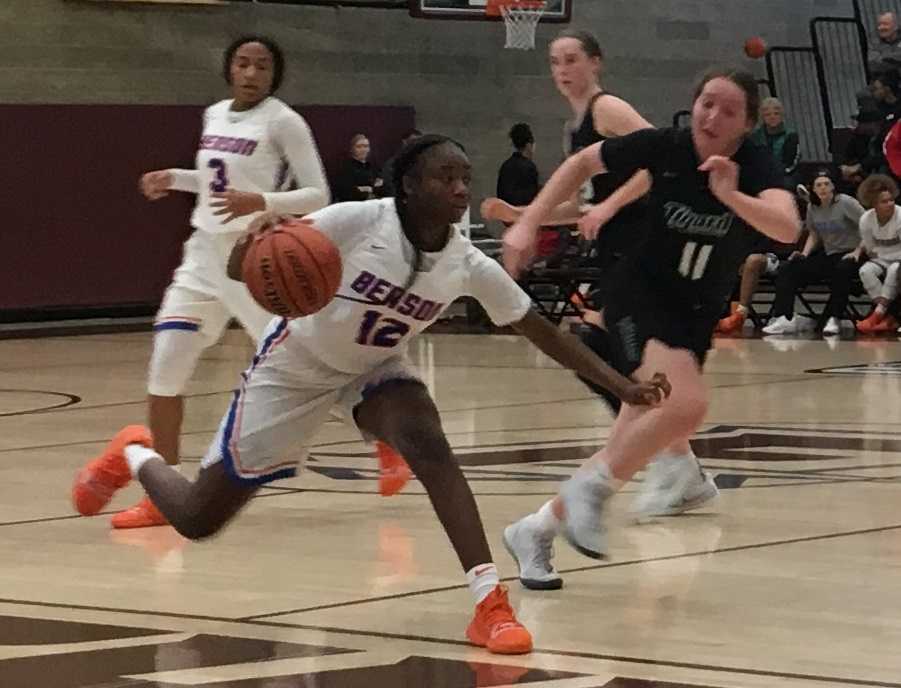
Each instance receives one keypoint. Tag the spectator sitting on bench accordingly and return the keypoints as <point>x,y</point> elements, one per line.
<point>880,233</point>
<point>832,222</point>
<point>884,54</point>
<point>756,265</point>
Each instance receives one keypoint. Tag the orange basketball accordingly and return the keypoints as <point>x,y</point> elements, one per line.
<point>755,47</point>
<point>292,269</point>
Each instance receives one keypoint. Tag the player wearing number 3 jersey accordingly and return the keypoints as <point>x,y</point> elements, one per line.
<point>253,152</point>
<point>713,194</point>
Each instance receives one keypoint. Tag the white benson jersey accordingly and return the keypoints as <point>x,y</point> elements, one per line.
<point>242,151</point>
<point>380,305</point>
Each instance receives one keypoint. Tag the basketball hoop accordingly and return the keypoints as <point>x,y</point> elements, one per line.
<point>521,19</point>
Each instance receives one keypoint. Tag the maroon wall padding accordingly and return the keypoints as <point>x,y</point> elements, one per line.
<point>77,233</point>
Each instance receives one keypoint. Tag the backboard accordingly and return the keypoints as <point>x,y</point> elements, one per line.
<point>556,11</point>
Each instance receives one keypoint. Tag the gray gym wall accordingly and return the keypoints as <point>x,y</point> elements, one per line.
<point>456,74</point>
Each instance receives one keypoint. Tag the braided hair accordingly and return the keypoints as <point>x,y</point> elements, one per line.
<point>408,157</point>
<point>404,163</point>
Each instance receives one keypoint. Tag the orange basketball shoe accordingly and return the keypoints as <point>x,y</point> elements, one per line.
<point>144,514</point>
<point>732,324</point>
<point>495,627</point>
<point>870,323</point>
<point>578,301</point>
<point>96,483</point>
<point>887,324</point>
<point>394,472</point>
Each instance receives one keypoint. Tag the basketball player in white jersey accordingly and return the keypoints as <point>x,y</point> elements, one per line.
<point>252,149</point>
<point>404,262</point>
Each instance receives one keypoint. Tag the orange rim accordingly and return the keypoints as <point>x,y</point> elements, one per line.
<point>493,8</point>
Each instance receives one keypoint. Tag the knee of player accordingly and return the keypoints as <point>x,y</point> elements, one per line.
<point>174,358</point>
<point>756,262</point>
<point>195,526</point>
<point>180,339</point>
<point>196,531</point>
<point>687,409</point>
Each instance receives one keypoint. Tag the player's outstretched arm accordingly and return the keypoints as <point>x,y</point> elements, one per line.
<point>598,215</point>
<point>158,183</point>
<point>567,213</point>
<point>519,240</point>
<point>564,184</point>
<point>571,353</point>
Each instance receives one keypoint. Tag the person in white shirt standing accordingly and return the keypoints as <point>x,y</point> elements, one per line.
<point>253,150</point>
<point>880,236</point>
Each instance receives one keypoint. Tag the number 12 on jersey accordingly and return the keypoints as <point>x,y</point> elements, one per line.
<point>376,330</point>
<point>694,260</point>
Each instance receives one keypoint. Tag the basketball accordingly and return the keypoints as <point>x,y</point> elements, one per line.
<point>292,269</point>
<point>755,47</point>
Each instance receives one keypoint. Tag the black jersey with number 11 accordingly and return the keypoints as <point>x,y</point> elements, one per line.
<point>695,245</point>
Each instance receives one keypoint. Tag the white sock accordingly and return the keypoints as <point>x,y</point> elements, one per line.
<point>613,483</point>
<point>137,455</point>
<point>880,309</point>
<point>482,579</point>
<point>741,309</point>
<point>688,456</point>
<point>675,462</point>
<point>545,519</point>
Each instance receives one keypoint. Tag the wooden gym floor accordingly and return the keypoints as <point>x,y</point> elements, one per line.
<point>791,580</point>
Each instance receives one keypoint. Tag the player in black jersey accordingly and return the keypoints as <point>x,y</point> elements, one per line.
<point>576,62</point>
<point>713,195</point>
<point>674,482</point>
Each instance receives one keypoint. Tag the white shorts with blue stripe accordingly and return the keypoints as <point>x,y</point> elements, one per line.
<point>201,297</point>
<point>284,398</point>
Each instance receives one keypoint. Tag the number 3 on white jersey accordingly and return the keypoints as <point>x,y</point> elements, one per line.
<point>220,183</point>
<point>694,260</point>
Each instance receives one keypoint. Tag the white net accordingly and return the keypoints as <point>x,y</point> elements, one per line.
<point>521,20</point>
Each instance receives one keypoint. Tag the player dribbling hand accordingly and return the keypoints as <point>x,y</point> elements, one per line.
<point>234,204</point>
